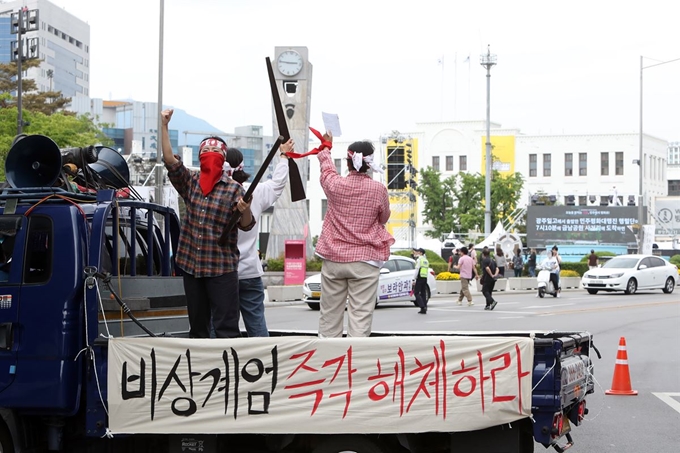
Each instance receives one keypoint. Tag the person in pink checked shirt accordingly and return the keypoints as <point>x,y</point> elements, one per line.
<point>354,243</point>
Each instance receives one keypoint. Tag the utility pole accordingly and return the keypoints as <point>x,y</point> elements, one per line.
<point>23,21</point>
<point>159,142</point>
<point>488,61</point>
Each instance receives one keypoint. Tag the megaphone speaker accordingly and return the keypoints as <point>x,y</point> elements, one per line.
<point>33,161</point>
<point>111,167</point>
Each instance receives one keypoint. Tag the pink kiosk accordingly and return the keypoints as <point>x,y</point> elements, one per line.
<point>294,262</point>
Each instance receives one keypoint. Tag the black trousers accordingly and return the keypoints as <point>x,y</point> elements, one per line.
<point>555,279</point>
<point>487,289</point>
<point>421,292</point>
<point>215,297</point>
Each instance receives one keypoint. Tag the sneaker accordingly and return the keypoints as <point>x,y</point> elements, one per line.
<point>470,304</point>
<point>536,295</point>
<point>460,302</point>
<point>422,312</point>
<point>487,307</point>
<point>558,295</point>
<point>493,305</point>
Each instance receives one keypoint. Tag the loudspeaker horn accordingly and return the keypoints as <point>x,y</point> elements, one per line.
<point>33,161</point>
<point>111,167</point>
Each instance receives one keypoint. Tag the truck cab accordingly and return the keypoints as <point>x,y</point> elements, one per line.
<point>49,242</point>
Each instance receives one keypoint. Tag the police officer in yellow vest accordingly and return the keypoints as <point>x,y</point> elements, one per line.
<point>420,287</point>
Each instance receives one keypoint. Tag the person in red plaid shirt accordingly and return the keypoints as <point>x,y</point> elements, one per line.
<point>210,272</point>
<point>354,243</point>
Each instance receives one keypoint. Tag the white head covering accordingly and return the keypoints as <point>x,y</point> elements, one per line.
<point>358,159</point>
<point>227,168</point>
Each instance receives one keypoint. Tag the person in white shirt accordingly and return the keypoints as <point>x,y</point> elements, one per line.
<point>251,288</point>
<point>553,262</point>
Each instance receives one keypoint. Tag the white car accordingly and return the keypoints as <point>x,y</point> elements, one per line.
<point>629,273</point>
<point>396,276</point>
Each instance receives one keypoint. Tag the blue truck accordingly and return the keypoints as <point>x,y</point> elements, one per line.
<point>81,270</point>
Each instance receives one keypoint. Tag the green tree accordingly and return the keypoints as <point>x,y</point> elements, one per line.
<point>436,199</point>
<point>32,100</point>
<point>505,194</point>
<point>459,200</point>
<point>65,129</point>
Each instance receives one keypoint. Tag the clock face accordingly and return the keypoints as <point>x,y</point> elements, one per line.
<point>289,63</point>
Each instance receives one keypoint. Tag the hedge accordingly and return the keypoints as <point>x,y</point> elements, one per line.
<point>276,265</point>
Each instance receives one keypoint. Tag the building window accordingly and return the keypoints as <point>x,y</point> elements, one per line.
<point>604,164</point>
<point>582,200</point>
<point>532,164</point>
<point>569,164</point>
<point>546,164</point>
<point>449,163</point>
<point>673,187</point>
<point>338,165</point>
<point>462,163</point>
<point>582,164</point>
<point>435,163</point>
<point>619,163</point>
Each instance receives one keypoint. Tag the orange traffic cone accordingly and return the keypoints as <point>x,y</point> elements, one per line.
<point>621,380</point>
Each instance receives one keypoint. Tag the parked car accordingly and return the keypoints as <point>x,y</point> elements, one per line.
<point>396,276</point>
<point>629,273</point>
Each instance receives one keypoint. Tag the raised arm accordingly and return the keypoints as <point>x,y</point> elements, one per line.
<point>168,155</point>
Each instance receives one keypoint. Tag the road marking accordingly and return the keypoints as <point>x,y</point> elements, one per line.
<point>546,306</point>
<point>668,399</point>
<point>613,307</point>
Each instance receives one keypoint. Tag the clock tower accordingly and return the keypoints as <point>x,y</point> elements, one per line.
<point>293,75</point>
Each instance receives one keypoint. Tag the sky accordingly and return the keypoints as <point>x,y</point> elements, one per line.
<point>385,65</point>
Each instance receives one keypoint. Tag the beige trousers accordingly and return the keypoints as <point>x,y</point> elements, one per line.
<point>464,290</point>
<point>352,284</point>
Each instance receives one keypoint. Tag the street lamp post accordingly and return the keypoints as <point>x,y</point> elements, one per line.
<point>641,159</point>
<point>488,61</point>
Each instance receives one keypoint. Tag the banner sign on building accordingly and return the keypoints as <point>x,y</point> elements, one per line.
<point>667,212</point>
<point>580,225</point>
<point>503,154</point>
<point>301,384</point>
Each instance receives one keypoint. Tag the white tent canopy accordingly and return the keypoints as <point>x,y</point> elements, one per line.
<point>499,237</point>
<point>492,238</point>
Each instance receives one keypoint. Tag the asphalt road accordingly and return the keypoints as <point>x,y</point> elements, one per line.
<point>649,321</point>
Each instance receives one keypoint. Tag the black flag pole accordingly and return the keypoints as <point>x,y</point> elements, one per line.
<point>297,189</point>
<point>236,215</point>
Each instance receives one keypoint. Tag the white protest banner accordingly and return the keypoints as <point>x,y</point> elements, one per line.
<point>310,385</point>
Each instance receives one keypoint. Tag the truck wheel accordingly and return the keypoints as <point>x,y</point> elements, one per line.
<point>541,292</point>
<point>631,286</point>
<point>348,444</point>
<point>314,306</point>
<point>669,286</point>
<point>6,444</point>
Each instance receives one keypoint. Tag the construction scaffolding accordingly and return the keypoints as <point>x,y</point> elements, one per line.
<point>402,189</point>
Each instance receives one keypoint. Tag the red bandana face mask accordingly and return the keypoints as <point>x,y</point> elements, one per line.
<point>211,170</point>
